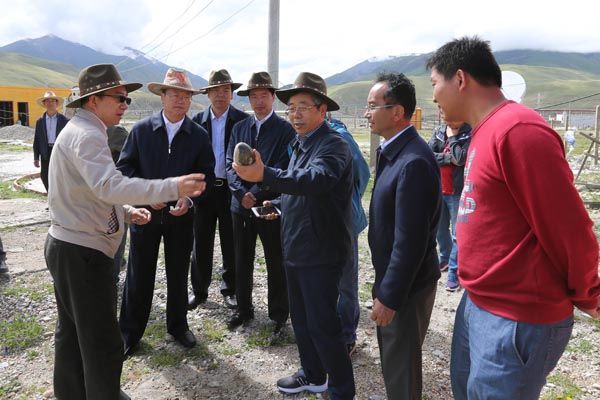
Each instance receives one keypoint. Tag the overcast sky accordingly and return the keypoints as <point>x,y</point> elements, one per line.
<point>320,36</point>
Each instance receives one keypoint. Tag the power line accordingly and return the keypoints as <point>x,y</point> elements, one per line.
<point>567,102</point>
<point>195,39</point>
<point>181,27</point>
<point>169,25</point>
<point>125,59</point>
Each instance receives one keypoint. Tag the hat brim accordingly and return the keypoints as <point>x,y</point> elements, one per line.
<point>246,92</point>
<point>41,100</point>
<point>285,94</point>
<point>234,86</point>
<point>130,87</point>
<point>157,88</point>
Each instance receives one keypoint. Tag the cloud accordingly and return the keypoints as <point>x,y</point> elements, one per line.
<point>319,36</point>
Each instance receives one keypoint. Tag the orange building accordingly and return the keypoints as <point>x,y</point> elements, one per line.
<point>18,103</point>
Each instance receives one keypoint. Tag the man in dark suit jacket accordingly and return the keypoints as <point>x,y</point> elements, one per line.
<point>316,226</point>
<point>218,120</point>
<point>270,135</point>
<point>163,145</point>
<point>47,128</point>
<point>404,213</point>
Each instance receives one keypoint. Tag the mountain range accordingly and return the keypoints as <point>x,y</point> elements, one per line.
<point>135,66</point>
<point>551,77</point>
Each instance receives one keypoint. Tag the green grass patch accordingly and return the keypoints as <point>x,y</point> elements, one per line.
<point>263,337</point>
<point>365,292</point>
<point>171,357</point>
<point>565,388</point>
<point>35,293</point>
<point>581,346</point>
<point>594,322</point>
<point>32,354</point>
<point>14,148</point>
<point>9,387</point>
<point>366,199</point>
<point>155,333</point>
<point>213,331</point>
<point>165,358</point>
<point>20,332</point>
<point>7,192</point>
<point>227,349</point>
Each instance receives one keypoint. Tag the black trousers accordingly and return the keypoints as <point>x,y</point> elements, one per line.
<point>313,295</point>
<point>2,252</point>
<point>44,164</point>
<point>400,346</point>
<point>245,231</point>
<point>88,355</point>
<point>144,243</point>
<point>213,208</point>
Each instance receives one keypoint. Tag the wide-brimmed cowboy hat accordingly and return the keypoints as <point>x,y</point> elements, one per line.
<point>219,78</point>
<point>309,83</point>
<point>99,78</point>
<point>174,79</point>
<point>258,80</point>
<point>49,95</point>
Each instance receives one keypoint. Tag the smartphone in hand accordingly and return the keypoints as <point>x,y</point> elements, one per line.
<point>260,212</point>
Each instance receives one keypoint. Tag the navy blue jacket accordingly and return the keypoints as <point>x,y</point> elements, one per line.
<point>459,145</point>
<point>40,138</point>
<point>272,144</point>
<point>316,201</point>
<point>147,154</point>
<point>403,218</point>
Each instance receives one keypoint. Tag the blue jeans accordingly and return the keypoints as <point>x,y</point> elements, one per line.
<point>446,234</point>
<point>497,358</point>
<point>348,307</point>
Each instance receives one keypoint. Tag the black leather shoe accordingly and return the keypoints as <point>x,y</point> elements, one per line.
<point>195,301</point>
<point>239,319</point>
<point>230,301</point>
<point>3,267</point>
<point>131,349</point>
<point>279,325</point>
<point>186,339</point>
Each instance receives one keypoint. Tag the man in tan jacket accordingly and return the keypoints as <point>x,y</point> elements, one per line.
<point>87,219</point>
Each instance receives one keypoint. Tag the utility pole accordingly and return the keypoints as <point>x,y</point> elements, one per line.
<point>273,52</point>
<point>597,131</point>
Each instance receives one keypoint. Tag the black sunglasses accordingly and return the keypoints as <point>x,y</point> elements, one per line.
<point>119,97</point>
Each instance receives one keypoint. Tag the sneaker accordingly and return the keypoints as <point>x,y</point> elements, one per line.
<point>452,285</point>
<point>298,383</point>
<point>351,347</point>
<point>443,266</point>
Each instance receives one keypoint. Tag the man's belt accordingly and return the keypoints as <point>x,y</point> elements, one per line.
<point>220,182</point>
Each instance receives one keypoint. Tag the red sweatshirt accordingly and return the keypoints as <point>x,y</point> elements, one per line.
<point>527,248</point>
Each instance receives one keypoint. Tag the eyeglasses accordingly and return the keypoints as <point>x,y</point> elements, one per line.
<point>371,108</point>
<point>299,109</point>
<point>178,97</point>
<point>119,97</point>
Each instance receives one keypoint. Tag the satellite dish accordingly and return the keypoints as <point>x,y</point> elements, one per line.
<point>513,86</point>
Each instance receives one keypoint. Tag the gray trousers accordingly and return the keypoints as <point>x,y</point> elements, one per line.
<point>400,345</point>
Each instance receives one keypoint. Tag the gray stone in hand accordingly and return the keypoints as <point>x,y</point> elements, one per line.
<point>242,154</point>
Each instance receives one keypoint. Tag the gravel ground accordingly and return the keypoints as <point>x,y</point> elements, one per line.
<point>244,364</point>
<point>235,365</point>
<point>17,132</point>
